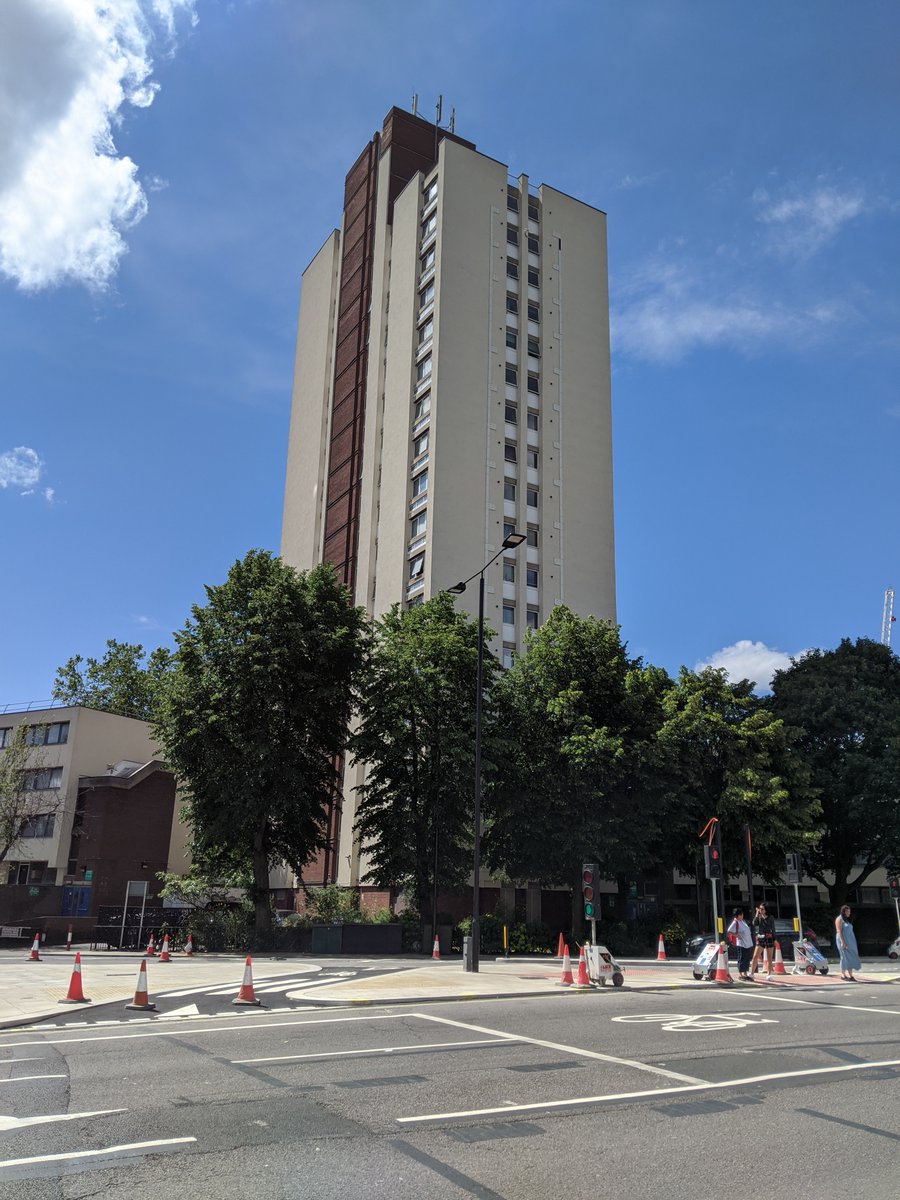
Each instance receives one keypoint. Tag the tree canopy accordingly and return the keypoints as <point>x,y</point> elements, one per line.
<point>119,682</point>
<point>21,765</point>
<point>255,714</point>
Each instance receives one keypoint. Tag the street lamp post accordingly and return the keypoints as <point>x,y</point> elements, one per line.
<point>510,542</point>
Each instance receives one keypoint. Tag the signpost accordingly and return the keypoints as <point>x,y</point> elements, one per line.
<point>134,888</point>
<point>794,871</point>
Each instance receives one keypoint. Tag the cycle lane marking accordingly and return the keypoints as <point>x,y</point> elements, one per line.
<point>72,1154</point>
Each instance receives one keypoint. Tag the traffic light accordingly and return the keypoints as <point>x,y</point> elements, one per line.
<point>712,861</point>
<point>894,885</point>
<point>588,890</point>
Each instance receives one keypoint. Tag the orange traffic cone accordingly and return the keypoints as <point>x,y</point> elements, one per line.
<point>245,994</point>
<point>582,979</point>
<point>778,969</point>
<point>76,992</point>
<point>661,950</point>
<point>566,980</point>
<point>189,945</point>
<point>150,952</point>
<point>165,956</point>
<point>722,975</point>
<point>561,945</point>
<point>141,996</point>
<point>436,949</point>
<point>35,955</point>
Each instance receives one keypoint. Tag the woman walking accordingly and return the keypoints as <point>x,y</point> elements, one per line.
<point>846,944</point>
<point>764,936</point>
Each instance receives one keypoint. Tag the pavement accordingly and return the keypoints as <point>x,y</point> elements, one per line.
<point>32,992</point>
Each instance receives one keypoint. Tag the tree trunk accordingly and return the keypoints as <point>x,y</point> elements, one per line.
<point>262,916</point>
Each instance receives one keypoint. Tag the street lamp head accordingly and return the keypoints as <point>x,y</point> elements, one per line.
<point>457,589</point>
<point>512,540</point>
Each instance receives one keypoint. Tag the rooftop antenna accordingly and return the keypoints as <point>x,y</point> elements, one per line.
<point>887,617</point>
<point>438,110</point>
<point>453,120</point>
<point>415,104</point>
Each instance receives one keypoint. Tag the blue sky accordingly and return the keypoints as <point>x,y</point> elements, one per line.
<point>168,169</point>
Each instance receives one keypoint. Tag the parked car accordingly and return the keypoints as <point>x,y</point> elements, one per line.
<point>785,935</point>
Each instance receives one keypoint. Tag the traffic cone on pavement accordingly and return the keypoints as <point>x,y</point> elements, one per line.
<point>150,952</point>
<point>35,955</point>
<point>561,945</point>
<point>566,980</point>
<point>722,975</point>
<point>189,945</point>
<point>436,949</point>
<point>76,992</point>
<point>245,994</point>
<point>661,950</point>
<point>778,969</point>
<point>582,979</point>
<point>165,956</point>
<point>141,996</point>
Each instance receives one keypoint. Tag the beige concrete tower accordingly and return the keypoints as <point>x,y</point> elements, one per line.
<point>452,383</point>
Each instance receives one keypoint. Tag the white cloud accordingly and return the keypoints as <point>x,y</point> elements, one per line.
<point>666,309</point>
<point>800,224</point>
<point>145,622</point>
<point>20,468</point>
<point>68,68</point>
<point>49,494</point>
<point>749,660</point>
<point>627,182</point>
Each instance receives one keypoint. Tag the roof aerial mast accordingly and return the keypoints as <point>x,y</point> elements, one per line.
<point>887,616</point>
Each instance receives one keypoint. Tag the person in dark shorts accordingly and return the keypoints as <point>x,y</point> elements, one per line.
<point>742,939</point>
<point>764,937</point>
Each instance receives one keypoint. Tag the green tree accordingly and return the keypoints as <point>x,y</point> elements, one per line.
<point>846,705</point>
<point>255,714</point>
<point>724,753</point>
<point>577,778</point>
<point>119,682</point>
<point>416,735</point>
<point>21,765</point>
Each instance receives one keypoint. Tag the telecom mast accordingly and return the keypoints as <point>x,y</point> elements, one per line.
<point>887,616</point>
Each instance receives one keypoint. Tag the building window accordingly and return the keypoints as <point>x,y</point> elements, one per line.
<point>417,566</point>
<point>509,491</point>
<point>509,572</point>
<point>534,246</point>
<point>420,484</point>
<point>534,279</point>
<point>431,192</point>
<point>512,339</point>
<point>426,332</point>
<point>423,369</point>
<point>512,304</point>
<point>509,453</point>
<point>512,236</point>
<point>531,536</point>
<point>531,459</point>
<point>56,734</point>
<point>429,226</point>
<point>5,735</point>
<point>423,407</point>
<point>534,384</point>
<point>531,497</point>
<point>512,202</point>
<point>531,577</point>
<point>509,614</point>
<point>512,375</point>
<point>416,601</point>
<point>40,826</point>
<point>41,780</point>
<point>427,260</point>
<point>417,525</point>
<point>426,295</point>
<point>511,414</point>
<point>508,652</point>
<point>534,312</point>
<point>508,528</point>
<point>531,618</point>
<point>533,211</point>
<point>512,269</point>
<point>534,347</point>
<point>533,420</point>
<point>420,444</point>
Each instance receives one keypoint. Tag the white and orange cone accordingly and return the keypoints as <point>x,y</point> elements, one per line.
<point>722,975</point>
<point>189,945</point>
<point>661,950</point>
<point>582,979</point>
<point>150,952</point>
<point>141,995</point>
<point>436,949</point>
<point>245,994</point>
<point>75,994</point>
<point>165,956</point>
<point>561,945</point>
<point>566,980</point>
<point>35,955</point>
<point>778,969</point>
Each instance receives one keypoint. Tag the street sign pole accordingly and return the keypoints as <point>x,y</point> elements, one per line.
<point>797,906</point>
<point>897,907</point>
<point>715,904</point>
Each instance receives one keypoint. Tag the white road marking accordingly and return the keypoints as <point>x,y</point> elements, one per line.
<point>27,1078</point>
<point>698,1022</point>
<point>262,980</point>
<point>379,1050</point>
<point>825,1004</point>
<point>7,1123</point>
<point>123,1149</point>
<point>652,1092</point>
<point>580,1053</point>
<point>189,1010</point>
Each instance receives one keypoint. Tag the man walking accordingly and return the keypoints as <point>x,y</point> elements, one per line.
<point>741,937</point>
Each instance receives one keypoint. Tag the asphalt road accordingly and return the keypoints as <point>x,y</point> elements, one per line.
<point>610,1094</point>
